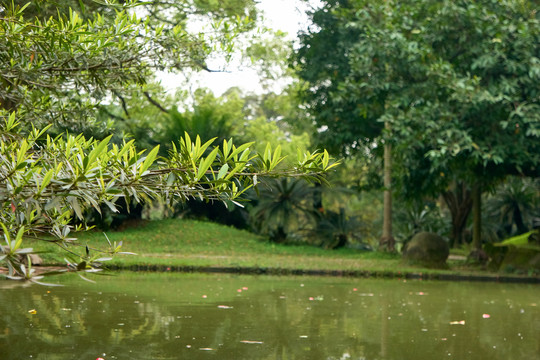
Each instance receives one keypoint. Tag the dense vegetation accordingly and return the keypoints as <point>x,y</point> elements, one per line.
<point>436,104</point>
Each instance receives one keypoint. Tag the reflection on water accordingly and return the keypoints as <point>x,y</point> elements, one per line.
<point>197,316</point>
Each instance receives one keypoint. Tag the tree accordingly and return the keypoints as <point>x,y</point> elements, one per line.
<point>514,204</point>
<point>284,207</point>
<point>57,70</point>
<point>458,83</point>
<point>45,182</point>
<point>210,117</point>
<point>58,64</point>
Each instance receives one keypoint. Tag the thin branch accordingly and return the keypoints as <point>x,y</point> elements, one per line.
<point>123,101</point>
<point>155,103</point>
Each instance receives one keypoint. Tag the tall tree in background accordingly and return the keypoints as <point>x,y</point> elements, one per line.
<point>458,82</point>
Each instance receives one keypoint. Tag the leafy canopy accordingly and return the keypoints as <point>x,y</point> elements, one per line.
<point>54,72</point>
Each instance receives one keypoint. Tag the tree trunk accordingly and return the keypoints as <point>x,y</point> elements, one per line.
<point>459,202</point>
<point>387,241</point>
<point>477,216</point>
<point>518,220</point>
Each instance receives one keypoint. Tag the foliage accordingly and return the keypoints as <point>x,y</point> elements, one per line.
<point>456,82</point>
<point>47,182</point>
<point>135,118</point>
<point>57,69</point>
<point>414,217</point>
<point>284,206</point>
<point>337,229</point>
<point>513,206</point>
<point>209,117</point>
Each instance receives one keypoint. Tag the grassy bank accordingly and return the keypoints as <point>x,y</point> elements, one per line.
<point>180,244</point>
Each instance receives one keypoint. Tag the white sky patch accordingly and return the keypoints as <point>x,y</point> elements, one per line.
<point>285,15</point>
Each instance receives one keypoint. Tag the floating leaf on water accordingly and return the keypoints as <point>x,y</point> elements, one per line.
<point>33,311</point>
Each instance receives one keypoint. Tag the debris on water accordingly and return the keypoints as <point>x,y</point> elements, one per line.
<point>251,342</point>
<point>204,296</point>
<point>224,307</point>
<point>460,322</point>
<point>303,336</point>
<point>486,316</point>
<point>206,349</point>
<point>33,311</point>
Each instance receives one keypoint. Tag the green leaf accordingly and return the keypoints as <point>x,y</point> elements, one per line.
<point>98,150</point>
<point>206,163</point>
<point>46,180</point>
<point>238,150</point>
<point>18,238</point>
<point>148,161</point>
<point>6,235</point>
<point>223,171</point>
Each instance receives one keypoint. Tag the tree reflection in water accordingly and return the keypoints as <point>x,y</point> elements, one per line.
<point>180,316</point>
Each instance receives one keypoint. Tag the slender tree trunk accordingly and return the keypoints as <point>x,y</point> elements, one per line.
<point>387,241</point>
<point>518,220</point>
<point>477,216</point>
<point>459,202</point>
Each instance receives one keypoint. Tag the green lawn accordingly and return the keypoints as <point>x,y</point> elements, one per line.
<point>180,243</point>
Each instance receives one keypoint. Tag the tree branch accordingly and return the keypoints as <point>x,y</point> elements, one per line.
<point>155,103</point>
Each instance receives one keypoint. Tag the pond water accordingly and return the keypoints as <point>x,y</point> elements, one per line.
<point>215,316</point>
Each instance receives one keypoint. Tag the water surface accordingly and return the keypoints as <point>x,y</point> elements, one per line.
<point>208,316</point>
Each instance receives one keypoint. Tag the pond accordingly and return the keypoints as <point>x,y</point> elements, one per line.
<point>217,316</point>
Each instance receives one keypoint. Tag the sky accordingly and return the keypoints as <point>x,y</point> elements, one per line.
<point>286,15</point>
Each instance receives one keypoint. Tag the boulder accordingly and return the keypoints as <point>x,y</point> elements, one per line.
<point>426,249</point>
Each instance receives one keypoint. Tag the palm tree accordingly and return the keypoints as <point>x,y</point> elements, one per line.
<point>514,205</point>
<point>337,229</point>
<point>283,207</point>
